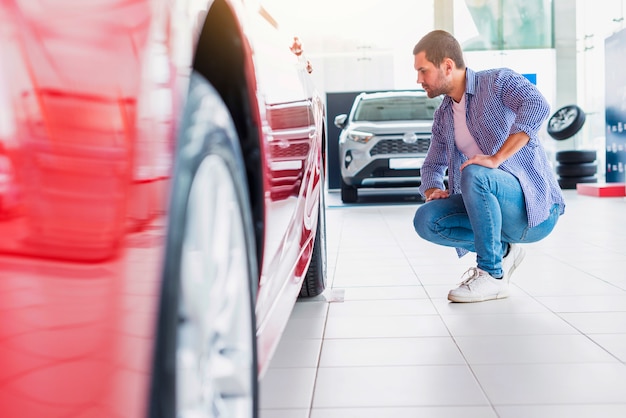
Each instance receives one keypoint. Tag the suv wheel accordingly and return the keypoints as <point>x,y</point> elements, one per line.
<point>349,194</point>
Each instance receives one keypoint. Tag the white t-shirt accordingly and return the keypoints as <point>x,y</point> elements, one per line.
<point>462,136</point>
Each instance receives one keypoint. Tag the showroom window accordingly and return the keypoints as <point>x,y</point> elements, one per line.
<point>483,25</point>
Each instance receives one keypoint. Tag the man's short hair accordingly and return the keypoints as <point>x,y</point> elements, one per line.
<point>439,45</point>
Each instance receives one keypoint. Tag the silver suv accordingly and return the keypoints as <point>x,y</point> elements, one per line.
<point>384,140</point>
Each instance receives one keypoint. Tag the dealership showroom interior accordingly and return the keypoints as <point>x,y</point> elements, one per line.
<point>383,340</point>
<point>312,208</point>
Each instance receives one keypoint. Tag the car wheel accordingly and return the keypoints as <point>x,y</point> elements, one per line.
<point>566,122</point>
<point>315,279</point>
<point>205,363</point>
<point>349,194</point>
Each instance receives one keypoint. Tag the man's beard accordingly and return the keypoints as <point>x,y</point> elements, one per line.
<point>442,86</point>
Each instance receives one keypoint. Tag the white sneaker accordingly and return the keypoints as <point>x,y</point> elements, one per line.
<point>513,259</point>
<point>478,287</point>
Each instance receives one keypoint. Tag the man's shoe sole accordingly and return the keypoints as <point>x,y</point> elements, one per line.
<point>472,299</point>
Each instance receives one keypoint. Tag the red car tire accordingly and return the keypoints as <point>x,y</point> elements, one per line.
<point>206,346</point>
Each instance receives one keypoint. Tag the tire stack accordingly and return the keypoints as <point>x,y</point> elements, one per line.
<point>575,167</point>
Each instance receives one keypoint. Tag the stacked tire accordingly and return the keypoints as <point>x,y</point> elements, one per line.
<point>575,167</point>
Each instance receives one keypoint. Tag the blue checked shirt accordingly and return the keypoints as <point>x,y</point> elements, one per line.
<point>500,102</point>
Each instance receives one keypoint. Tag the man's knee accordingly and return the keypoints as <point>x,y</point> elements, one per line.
<point>473,174</point>
<point>422,221</point>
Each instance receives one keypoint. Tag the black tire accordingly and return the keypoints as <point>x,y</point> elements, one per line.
<point>577,156</point>
<point>576,170</point>
<point>566,122</point>
<point>206,313</point>
<point>349,194</point>
<point>571,182</point>
<point>315,279</point>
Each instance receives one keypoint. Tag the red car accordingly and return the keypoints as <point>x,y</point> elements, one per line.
<point>161,205</point>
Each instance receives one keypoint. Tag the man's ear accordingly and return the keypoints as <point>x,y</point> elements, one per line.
<point>448,65</point>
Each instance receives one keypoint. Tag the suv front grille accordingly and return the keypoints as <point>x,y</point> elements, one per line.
<point>398,146</point>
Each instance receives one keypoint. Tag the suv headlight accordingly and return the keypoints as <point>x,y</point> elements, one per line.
<point>359,136</point>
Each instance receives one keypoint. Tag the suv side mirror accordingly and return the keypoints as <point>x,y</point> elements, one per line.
<point>340,120</point>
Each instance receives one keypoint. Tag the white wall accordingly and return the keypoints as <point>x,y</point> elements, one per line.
<point>357,44</point>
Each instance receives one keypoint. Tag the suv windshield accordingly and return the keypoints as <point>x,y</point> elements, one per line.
<point>396,108</point>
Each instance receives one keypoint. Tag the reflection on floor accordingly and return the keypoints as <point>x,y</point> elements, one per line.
<point>384,342</point>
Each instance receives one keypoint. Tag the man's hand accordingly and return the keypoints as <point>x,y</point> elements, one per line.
<point>488,161</point>
<point>513,143</point>
<point>433,194</point>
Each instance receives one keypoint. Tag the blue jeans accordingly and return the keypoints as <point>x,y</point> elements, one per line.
<point>489,214</point>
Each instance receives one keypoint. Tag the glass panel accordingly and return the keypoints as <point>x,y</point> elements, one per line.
<point>526,24</point>
<point>503,24</point>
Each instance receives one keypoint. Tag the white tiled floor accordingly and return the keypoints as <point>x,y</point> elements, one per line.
<point>384,342</point>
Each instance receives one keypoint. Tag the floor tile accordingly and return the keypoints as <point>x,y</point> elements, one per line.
<point>507,324</point>
<point>297,353</point>
<point>613,343</point>
<point>307,309</point>
<point>390,254</point>
<point>354,276</point>
<point>598,322</point>
<point>572,383</point>
<point>390,352</point>
<point>385,327</point>
<point>338,387</point>
<point>560,280</point>
<point>446,269</point>
<point>385,293</point>
<point>382,307</point>
<point>569,411</point>
<point>519,349</point>
<point>284,413</point>
<point>438,291</point>
<point>305,328</point>
<point>587,303</point>
<point>287,388</point>
<point>413,412</point>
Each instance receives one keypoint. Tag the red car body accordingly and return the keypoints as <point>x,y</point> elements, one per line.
<point>91,97</point>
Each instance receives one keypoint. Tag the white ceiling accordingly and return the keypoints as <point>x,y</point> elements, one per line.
<point>353,26</point>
